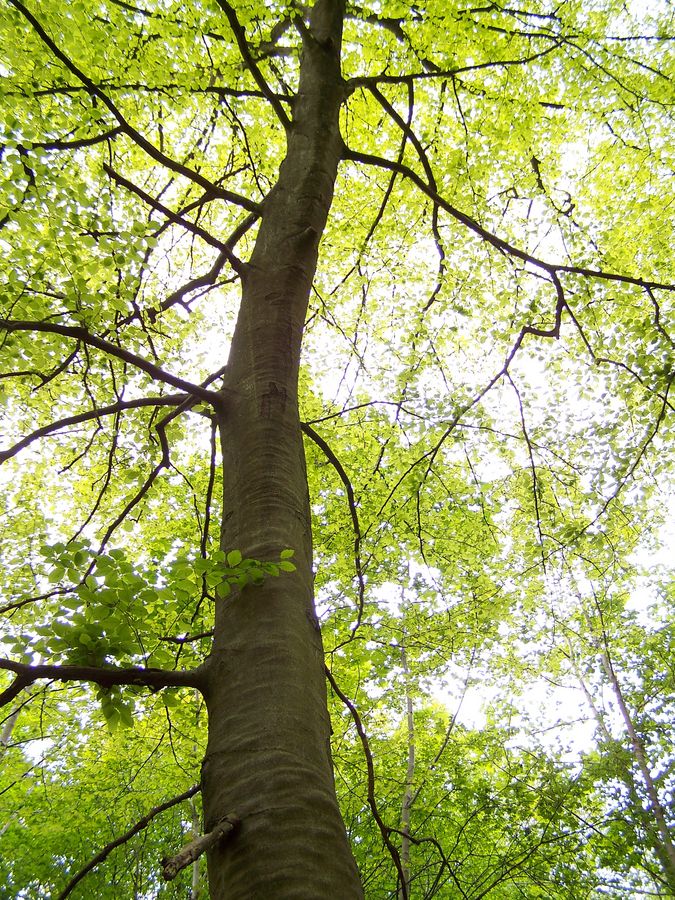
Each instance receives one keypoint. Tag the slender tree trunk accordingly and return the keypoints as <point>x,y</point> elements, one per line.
<point>194,815</point>
<point>196,831</point>
<point>651,817</point>
<point>408,795</point>
<point>664,848</point>
<point>8,728</point>
<point>268,756</point>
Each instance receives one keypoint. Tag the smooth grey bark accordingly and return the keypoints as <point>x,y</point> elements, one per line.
<point>268,756</point>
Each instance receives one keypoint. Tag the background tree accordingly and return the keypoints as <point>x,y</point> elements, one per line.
<point>435,240</point>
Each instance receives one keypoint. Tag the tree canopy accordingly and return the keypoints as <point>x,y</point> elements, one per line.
<point>430,242</point>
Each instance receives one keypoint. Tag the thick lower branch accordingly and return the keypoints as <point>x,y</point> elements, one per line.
<point>106,676</point>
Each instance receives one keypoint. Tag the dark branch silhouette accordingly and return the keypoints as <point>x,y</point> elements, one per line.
<point>98,413</point>
<point>385,831</point>
<point>86,337</point>
<point>498,243</point>
<point>152,151</point>
<point>177,219</point>
<point>344,478</point>
<point>251,65</point>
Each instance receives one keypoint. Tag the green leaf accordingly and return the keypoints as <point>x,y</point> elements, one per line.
<point>125,714</point>
<point>56,575</point>
<point>234,558</point>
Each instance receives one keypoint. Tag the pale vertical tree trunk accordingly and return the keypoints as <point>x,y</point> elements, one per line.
<point>194,889</point>
<point>408,795</point>
<point>665,848</point>
<point>268,756</point>
<point>652,817</point>
<point>194,815</point>
<point>8,728</point>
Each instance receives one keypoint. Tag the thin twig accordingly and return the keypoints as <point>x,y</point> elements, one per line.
<point>124,838</point>
<point>372,802</point>
<point>351,500</point>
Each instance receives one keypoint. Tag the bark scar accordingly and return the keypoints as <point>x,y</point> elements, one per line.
<point>273,396</point>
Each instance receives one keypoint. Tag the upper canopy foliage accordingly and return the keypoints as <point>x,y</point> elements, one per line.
<point>486,391</point>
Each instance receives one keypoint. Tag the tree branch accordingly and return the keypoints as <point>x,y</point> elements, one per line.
<point>497,242</point>
<point>80,333</point>
<point>188,638</point>
<point>18,604</point>
<point>112,409</point>
<point>372,802</point>
<point>125,87</point>
<point>233,260</point>
<point>434,72</point>
<point>191,852</point>
<point>250,63</point>
<point>344,478</point>
<point>108,676</point>
<point>554,332</point>
<point>124,838</point>
<point>152,151</point>
<point>75,144</point>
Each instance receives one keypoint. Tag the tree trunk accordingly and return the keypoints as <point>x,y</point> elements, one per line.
<point>268,756</point>
<point>408,795</point>
<point>664,847</point>
<point>649,816</point>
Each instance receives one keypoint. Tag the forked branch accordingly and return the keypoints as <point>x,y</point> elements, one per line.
<point>494,240</point>
<point>98,413</point>
<point>80,333</point>
<point>141,141</point>
<point>250,63</point>
<point>175,218</point>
